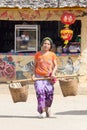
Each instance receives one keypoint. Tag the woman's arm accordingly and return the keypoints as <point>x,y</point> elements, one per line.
<point>54,68</point>
<point>33,73</point>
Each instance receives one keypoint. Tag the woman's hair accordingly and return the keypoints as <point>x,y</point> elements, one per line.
<point>49,39</point>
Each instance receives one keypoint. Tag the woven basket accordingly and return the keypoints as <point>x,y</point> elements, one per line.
<point>69,87</point>
<point>19,94</point>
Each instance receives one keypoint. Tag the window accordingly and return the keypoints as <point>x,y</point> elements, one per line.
<point>26,38</point>
<point>45,28</point>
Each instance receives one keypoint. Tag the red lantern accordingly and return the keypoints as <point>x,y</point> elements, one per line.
<point>66,35</point>
<point>68,18</point>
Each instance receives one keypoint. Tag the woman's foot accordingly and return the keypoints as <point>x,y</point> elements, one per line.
<point>42,115</point>
<point>48,112</point>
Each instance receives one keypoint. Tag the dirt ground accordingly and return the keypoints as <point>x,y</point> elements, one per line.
<point>67,113</point>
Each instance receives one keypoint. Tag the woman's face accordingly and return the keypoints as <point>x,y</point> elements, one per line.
<point>46,45</point>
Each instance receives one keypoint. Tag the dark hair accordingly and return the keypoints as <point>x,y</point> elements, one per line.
<point>49,39</point>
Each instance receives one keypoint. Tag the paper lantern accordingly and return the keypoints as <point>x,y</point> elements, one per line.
<point>68,18</point>
<point>66,35</point>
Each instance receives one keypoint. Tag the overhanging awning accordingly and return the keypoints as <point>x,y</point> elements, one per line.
<point>35,4</point>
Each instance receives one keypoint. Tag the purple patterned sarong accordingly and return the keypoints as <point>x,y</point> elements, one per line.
<point>44,92</point>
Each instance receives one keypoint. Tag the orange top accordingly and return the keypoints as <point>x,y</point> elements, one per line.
<point>44,63</point>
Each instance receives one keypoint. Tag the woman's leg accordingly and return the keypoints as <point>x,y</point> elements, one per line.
<point>40,93</point>
<point>49,92</point>
<point>44,91</point>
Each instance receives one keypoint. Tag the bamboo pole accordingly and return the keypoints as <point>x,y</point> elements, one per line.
<point>43,78</point>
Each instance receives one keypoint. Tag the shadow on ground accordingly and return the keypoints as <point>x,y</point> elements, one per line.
<point>15,116</point>
<point>73,112</point>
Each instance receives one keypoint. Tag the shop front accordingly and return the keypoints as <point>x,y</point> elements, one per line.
<point>21,33</point>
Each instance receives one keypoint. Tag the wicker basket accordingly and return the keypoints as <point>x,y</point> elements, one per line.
<point>69,87</point>
<point>19,94</point>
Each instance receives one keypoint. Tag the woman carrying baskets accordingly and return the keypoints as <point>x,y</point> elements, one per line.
<point>45,66</point>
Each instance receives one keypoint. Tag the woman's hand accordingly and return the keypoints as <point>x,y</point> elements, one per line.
<point>33,77</point>
<point>53,78</point>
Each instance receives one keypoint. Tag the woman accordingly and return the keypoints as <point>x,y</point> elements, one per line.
<point>45,66</point>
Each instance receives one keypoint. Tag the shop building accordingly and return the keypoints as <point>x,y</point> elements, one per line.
<point>36,21</point>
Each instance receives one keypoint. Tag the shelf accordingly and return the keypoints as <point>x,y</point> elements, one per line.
<point>75,43</point>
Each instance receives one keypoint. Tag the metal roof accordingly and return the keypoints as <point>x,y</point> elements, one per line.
<point>35,4</point>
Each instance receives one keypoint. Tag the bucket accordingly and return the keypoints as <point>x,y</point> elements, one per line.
<point>19,94</point>
<point>69,87</point>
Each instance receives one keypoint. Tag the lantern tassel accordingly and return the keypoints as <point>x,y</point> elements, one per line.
<point>65,42</point>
